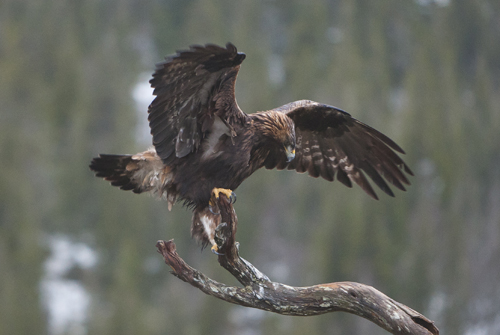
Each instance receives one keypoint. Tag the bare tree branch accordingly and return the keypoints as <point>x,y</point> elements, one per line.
<point>260,292</point>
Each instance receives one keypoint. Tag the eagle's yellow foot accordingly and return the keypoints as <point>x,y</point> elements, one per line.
<point>228,193</point>
<point>215,250</point>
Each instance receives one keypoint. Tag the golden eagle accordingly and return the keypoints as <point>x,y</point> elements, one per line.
<point>203,143</point>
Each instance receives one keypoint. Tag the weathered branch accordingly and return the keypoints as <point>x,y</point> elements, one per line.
<point>260,292</point>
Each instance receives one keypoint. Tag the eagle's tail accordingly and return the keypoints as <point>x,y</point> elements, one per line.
<point>117,170</point>
<point>143,172</point>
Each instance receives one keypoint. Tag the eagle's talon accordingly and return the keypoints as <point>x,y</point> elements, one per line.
<point>215,250</point>
<point>231,196</point>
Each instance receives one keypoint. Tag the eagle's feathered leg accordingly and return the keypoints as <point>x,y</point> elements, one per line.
<point>203,226</point>
<point>205,220</point>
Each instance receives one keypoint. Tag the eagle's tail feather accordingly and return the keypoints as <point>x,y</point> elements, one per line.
<point>117,169</point>
<point>142,172</point>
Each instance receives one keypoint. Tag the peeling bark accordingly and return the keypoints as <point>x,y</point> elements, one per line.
<point>260,292</point>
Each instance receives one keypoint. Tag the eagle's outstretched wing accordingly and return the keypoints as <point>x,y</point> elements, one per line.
<point>192,88</point>
<point>330,142</point>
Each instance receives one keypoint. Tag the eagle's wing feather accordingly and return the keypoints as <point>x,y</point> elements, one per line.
<point>329,143</point>
<point>191,88</point>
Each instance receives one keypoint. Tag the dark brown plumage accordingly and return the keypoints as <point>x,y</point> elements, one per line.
<point>202,140</point>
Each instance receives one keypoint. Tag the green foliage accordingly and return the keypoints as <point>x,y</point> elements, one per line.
<point>423,72</point>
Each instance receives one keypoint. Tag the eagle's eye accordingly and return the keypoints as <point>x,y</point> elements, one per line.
<point>290,152</point>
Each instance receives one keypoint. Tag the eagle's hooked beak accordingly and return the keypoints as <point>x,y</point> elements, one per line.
<point>290,153</point>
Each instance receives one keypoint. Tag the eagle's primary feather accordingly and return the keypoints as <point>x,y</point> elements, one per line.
<point>202,140</point>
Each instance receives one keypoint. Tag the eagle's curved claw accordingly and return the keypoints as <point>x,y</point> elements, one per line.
<point>210,208</point>
<point>232,198</point>
<point>215,250</point>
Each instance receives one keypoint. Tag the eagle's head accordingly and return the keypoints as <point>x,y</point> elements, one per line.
<point>278,128</point>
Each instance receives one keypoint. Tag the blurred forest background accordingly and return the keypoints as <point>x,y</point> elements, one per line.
<point>78,256</point>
